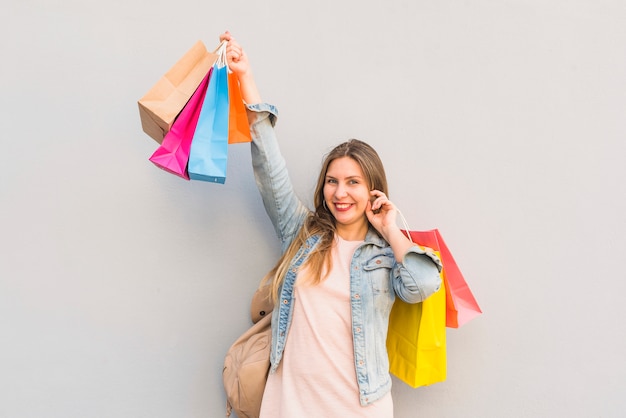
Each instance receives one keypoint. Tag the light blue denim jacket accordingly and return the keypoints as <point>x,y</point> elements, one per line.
<point>375,279</point>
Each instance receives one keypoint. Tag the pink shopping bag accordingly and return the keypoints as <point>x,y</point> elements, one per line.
<point>173,153</point>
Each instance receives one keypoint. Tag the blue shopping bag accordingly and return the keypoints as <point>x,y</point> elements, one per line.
<point>208,155</point>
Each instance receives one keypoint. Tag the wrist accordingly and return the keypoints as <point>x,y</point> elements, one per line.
<point>245,77</point>
<point>399,243</point>
<point>391,232</point>
<point>247,85</point>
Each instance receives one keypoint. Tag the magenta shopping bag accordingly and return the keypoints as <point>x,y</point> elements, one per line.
<point>173,153</point>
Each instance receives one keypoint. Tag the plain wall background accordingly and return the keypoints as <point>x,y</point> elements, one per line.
<point>502,123</point>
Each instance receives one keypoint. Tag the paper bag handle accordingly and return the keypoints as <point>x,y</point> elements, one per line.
<point>406,225</point>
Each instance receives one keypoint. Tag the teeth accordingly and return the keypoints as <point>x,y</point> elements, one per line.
<point>342,205</point>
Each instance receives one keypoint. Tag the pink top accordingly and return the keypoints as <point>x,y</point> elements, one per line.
<point>317,377</point>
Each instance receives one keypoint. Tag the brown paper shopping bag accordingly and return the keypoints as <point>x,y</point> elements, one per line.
<point>159,107</point>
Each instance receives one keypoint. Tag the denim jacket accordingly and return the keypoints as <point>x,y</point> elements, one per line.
<point>375,279</point>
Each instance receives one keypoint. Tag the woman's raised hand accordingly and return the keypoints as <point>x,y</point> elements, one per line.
<point>237,61</point>
<point>236,58</point>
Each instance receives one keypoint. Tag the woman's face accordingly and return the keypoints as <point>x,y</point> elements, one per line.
<point>346,193</point>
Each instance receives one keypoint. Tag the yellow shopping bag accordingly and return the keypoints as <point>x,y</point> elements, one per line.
<point>416,340</point>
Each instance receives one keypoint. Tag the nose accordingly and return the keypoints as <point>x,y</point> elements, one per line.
<point>340,192</point>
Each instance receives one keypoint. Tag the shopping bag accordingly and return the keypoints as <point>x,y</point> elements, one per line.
<point>238,126</point>
<point>173,153</point>
<point>159,107</point>
<point>208,155</point>
<point>461,306</point>
<point>416,340</point>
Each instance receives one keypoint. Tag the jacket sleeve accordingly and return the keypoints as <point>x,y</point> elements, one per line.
<point>284,208</point>
<point>417,276</point>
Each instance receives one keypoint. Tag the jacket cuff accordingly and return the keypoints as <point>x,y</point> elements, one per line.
<point>260,111</point>
<point>428,252</point>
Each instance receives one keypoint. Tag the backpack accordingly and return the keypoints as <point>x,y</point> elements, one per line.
<point>246,366</point>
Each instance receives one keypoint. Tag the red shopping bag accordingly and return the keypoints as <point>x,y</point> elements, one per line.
<point>461,306</point>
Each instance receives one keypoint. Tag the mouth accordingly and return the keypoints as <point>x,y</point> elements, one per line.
<point>342,207</point>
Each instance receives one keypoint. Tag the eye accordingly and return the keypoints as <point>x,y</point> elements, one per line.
<point>354,181</point>
<point>331,181</point>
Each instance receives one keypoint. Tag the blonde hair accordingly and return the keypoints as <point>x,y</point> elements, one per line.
<point>321,221</point>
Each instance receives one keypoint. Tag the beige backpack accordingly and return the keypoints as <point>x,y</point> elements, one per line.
<point>247,362</point>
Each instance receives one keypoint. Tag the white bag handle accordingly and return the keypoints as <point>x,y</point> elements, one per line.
<point>221,54</point>
<point>405,224</point>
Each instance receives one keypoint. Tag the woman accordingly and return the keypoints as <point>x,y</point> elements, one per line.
<point>342,266</point>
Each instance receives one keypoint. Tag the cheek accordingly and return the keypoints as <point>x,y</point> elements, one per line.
<point>326,192</point>
<point>365,195</point>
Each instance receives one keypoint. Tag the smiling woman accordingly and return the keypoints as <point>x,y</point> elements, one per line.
<point>347,197</point>
<point>342,266</point>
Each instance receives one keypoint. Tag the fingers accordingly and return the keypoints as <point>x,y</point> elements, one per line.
<point>380,200</point>
<point>226,36</point>
<point>234,51</point>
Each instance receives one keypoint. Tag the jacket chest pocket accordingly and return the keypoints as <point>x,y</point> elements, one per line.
<point>378,273</point>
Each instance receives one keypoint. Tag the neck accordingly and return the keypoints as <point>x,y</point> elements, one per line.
<point>352,232</point>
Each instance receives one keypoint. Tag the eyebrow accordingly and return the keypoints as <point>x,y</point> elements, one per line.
<point>347,178</point>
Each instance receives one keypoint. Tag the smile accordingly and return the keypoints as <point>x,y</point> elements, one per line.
<point>343,206</point>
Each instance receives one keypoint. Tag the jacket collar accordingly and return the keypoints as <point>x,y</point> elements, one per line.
<point>373,237</point>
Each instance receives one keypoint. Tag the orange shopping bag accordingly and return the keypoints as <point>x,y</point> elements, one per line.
<point>238,127</point>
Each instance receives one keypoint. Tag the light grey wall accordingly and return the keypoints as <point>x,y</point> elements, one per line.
<point>502,123</point>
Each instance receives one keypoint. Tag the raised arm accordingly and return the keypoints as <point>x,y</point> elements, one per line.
<point>282,205</point>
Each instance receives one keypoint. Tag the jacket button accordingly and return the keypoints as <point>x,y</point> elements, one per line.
<point>358,329</point>
<point>357,296</point>
<point>285,301</point>
<point>378,261</point>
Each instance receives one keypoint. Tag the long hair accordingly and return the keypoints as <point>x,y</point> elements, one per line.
<point>321,221</point>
